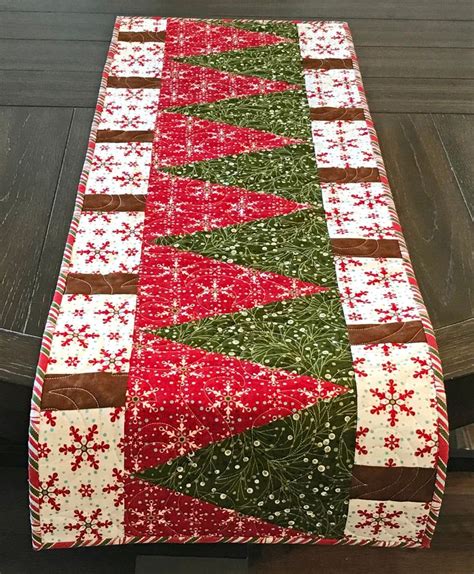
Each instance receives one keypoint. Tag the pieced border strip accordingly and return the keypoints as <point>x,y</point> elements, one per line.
<point>33,455</point>
<point>443,428</point>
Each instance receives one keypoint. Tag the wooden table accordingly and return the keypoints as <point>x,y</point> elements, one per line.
<point>417,62</point>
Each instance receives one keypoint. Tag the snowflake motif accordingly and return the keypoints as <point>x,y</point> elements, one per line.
<point>368,199</point>
<point>149,520</point>
<point>115,414</point>
<point>88,526</point>
<point>228,400</point>
<point>396,313</point>
<point>390,463</point>
<point>49,491</point>
<point>113,312</point>
<point>43,450</point>
<point>80,336</point>
<point>379,519</point>
<point>424,370</point>
<point>109,361</point>
<point>353,298</point>
<point>389,367</point>
<point>117,488</point>
<point>430,444</point>
<point>384,277</point>
<point>357,367</point>
<point>86,490</point>
<point>50,418</point>
<point>72,361</point>
<point>392,402</point>
<point>361,433</point>
<point>378,231</point>
<point>47,527</point>
<point>134,179</point>
<point>84,448</point>
<point>392,442</point>
<point>97,252</point>
<point>180,438</point>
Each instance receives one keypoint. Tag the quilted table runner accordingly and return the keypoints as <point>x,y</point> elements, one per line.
<point>237,350</point>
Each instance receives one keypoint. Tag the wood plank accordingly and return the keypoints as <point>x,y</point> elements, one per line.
<point>434,216</point>
<point>456,134</point>
<point>405,9</point>
<point>80,89</point>
<point>18,357</point>
<point>415,95</point>
<point>64,26</point>
<point>455,344</point>
<point>393,62</point>
<point>58,225</point>
<point>32,142</point>
<point>417,63</point>
<point>415,33</point>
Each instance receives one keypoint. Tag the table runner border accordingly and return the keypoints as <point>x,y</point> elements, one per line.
<point>442,455</point>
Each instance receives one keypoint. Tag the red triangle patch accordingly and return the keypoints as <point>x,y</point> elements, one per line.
<point>183,286</point>
<point>155,511</point>
<point>194,37</point>
<point>186,85</point>
<point>181,398</point>
<point>184,139</point>
<point>177,205</point>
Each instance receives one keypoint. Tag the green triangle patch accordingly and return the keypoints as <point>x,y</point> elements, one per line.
<point>283,29</point>
<point>306,336</point>
<point>295,245</point>
<point>281,113</point>
<point>288,171</point>
<point>294,472</point>
<point>279,62</point>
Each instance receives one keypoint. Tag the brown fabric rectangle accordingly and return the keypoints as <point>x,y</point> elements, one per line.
<point>333,114</point>
<point>142,36</point>
<point>348,174</point>
<point>327,63</point>
<point>114,202</point>
<point>408,332</point>
<point>97,284</point>
<point>366,247</point>
<point>84,391</point>
<point>132,82</point>
<point>120,136</point>
<point>401,484</point>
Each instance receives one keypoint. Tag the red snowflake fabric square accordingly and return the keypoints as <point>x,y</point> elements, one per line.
<point>93,333</point>
<point>389,522</point>
<point>79,478</point>
<point>396,421</point>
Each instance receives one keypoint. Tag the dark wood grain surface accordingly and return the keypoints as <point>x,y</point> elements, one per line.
<point>418,67</point>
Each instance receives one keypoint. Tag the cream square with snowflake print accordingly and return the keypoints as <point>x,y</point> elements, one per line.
<point>342,144</point>
<point>140,24</point>
<point>386,521</point>
<point>324,40</point>
<point>375,290</point>
<point>358,210</point>
<point>108,242</point>
<point>120,168</point>
<point>142,59</point>
<point>81,475</point>
<point>396,405</point>
<point>332,88</point>
<point>93,334</point>
<point>129,109</point>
